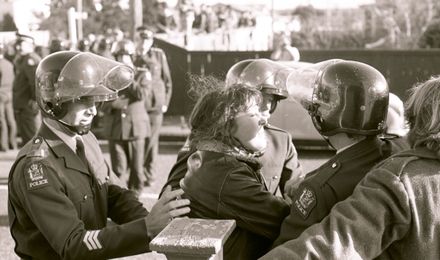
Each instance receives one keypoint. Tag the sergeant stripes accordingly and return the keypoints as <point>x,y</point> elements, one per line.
<point>91,240</point>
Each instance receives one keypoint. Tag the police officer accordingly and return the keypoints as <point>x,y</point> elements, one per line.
<point>394,211</point>
<point>126,124</point>
<point>158,94</point>
<point>279,161</point>
<point>25,106</point>
<point>61,190</point>
<point>349,108</point>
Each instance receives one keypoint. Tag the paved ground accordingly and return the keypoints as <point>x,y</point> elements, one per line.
<point>168,150</point>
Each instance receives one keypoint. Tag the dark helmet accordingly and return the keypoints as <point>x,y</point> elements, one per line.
<point>69,76</point>
<point>56,45</point>
<point>262,74</point>
<point>104,44</point>
<point>123,47</point>
<point>349,97</point>
<point>83,45</point>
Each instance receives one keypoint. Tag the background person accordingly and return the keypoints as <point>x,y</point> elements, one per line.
<point>26,111</point>
<point>126,125</point>
<point>393,212</point>
<point>61,191</point>
<point>8,127</point>
<point>283,49</point>
<point>154,63</point>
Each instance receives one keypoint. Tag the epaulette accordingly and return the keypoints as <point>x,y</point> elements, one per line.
<point>37,148</point>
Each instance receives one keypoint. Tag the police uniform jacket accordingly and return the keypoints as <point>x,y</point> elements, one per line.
<point>58,207</point>
<point>230,186</point>
<point>279,162</point>
<point>24,81</point>
<point>330,183</point>
<point>158,93</point>
<point>126,117</point>
<point>393,214</point>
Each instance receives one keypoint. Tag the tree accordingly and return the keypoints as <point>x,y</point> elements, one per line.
<point>8,23</point>
<point>431,36</point>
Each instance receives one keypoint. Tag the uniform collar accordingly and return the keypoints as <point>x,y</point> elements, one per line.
<point>58,144</point>
<point>67,136</point>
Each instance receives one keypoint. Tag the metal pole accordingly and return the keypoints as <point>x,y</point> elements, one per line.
<point>79,17</point>
<point>72,25</point>
<point>136,13</point>
<point>272,13</point>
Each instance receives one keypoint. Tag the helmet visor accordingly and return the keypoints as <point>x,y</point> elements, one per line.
<point>88,74</point>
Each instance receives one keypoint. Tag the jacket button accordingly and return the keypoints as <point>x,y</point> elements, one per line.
<point>334,165</point>
<point>275,177</point>
<point>123,115</point>
<point>85,197</point>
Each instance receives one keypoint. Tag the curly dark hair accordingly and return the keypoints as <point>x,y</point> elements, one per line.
<point>213,115</point>
<point>422,112</point>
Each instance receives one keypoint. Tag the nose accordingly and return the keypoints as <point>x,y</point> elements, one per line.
<point>263,119</point>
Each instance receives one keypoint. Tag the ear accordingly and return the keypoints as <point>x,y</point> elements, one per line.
<point>194,162</point>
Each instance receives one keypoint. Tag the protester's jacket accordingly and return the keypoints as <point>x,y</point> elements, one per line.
<point>279,162</point>
<point>58,206</point>
<point>228,185</point>
<point>394,213</point>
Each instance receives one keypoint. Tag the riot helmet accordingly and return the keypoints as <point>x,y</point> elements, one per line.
<point>56,45</point>
<point>262,74</point>
<point>349,97</point>
<point>71,76</point>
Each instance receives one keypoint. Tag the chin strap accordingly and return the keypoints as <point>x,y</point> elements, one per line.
<point>81,130</point>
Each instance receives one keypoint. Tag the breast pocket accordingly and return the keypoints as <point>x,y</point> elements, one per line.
<point>83,201</point>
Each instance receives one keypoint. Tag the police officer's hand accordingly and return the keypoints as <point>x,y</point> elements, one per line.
<point>169,206</point>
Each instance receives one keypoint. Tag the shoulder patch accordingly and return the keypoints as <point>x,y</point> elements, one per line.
<point>305,200</point>
<point>36,177</point>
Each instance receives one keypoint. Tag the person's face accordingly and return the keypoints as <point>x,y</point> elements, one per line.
<point>24,47</point>
<point>268,105</point>
<point>80,113</point>
<point>248,128</point>
<point>126,59</point>
<point>145,45</point>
